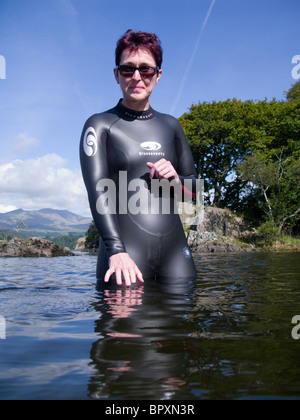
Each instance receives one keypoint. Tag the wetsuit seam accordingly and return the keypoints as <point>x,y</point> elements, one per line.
<point>113,123</point>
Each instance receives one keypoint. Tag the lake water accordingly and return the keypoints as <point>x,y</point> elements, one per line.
<point>226,336</point>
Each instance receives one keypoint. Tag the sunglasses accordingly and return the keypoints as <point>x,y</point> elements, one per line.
<point>145,71</point>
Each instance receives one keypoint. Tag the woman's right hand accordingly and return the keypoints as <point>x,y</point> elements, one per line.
<point>122,265</point>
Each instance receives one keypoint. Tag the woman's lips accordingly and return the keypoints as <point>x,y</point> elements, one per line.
<point>137,88</point>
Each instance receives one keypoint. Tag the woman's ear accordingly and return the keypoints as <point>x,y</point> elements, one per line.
<point>159,73</point>
<point>116,73</point>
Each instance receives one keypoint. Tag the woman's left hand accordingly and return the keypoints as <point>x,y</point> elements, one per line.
<point>163,169</point>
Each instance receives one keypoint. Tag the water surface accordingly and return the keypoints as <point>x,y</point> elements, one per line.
<point>225,336</point>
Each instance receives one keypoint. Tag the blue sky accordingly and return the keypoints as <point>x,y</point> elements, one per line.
<point>59,59</point>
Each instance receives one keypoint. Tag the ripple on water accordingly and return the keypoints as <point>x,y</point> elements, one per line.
<point>228,335</point>
<point>41,288</point>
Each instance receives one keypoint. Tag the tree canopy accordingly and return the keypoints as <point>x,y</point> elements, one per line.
<point>294,93</point>
<point>248,155</point>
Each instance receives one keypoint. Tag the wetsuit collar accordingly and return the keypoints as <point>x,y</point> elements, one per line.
<point>130,114</point>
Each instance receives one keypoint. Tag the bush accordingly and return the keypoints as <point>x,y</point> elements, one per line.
<point>267,233</point>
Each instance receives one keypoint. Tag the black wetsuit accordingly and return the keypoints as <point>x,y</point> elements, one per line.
<point>116,145</point>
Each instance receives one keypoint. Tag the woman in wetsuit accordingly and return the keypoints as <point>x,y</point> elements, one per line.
<point>123,151</point>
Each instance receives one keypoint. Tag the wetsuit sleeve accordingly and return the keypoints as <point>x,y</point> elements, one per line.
<point>185,161</point>
<point>94,166</point>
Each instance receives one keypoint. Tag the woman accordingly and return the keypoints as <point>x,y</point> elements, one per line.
<point>132,144</point>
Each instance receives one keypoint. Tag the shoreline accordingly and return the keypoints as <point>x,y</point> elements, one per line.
<point>37,247</point>
<point>232,248</point>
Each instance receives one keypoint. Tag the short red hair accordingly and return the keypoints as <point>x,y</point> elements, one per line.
<point>134,41</point>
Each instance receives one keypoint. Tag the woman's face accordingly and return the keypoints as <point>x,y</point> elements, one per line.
<point>137,89</point>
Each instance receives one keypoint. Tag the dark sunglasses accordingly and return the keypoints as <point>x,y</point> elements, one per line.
<point>145,71</point>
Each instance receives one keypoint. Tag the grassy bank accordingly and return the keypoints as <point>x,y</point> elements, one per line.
<point>285,243</point>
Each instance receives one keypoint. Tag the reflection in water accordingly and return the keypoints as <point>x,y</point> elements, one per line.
<point>121,303</point>
<point>227,335</point>
<point>142,350</point>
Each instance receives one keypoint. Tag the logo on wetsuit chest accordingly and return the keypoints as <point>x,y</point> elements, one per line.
<point>151,148</point>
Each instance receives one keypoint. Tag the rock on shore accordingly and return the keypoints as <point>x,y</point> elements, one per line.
<point>32,247</point>
<point>219,230</point>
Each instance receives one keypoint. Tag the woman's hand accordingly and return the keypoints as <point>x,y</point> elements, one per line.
<point>122,265</point>
<point>163,169</point>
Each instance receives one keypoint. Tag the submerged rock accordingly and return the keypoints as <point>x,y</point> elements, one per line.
<point>32,247</point>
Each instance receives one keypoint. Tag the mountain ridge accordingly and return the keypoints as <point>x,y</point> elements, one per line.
<point>44,221</point>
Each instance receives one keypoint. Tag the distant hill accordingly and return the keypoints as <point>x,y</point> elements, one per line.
<point>43,221</point>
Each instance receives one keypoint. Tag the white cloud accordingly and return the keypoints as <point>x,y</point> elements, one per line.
<point>5,209</point>
<point>40,183</point>
<point>23,143</point>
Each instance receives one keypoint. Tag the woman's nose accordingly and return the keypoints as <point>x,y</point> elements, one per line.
<point>136,75</point>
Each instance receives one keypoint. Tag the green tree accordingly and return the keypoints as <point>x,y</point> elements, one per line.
<point>65,241</point>
<point>293,94</point>
<point>92,234</point>
<point>279,183</point>
<point>216,135</point>
<point>222,135</point>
